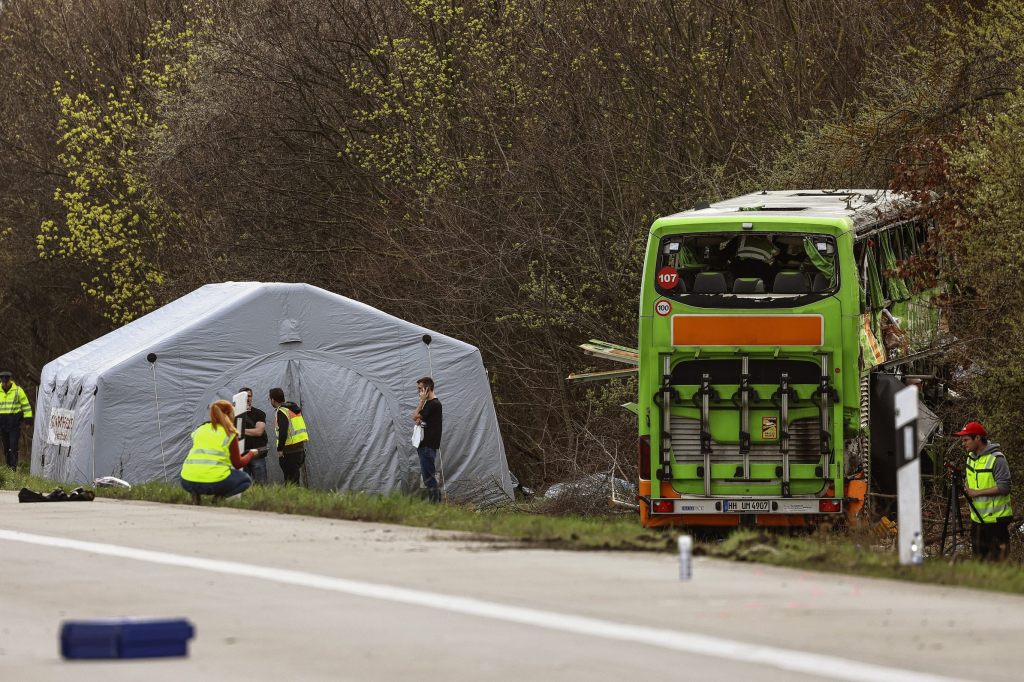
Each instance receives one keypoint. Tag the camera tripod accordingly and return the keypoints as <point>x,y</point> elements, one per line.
<point>954,513</point>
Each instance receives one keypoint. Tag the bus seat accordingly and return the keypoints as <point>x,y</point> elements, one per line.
<point>710,283</point>
<point>789,282</point>
<point>748,285</point>
<point>820,282</point>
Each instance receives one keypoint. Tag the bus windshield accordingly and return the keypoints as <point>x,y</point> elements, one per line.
<point>747,267</point>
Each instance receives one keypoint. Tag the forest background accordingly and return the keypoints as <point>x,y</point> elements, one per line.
<point>490,168</point>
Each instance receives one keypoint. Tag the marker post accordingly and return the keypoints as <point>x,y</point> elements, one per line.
<point>908,478</point>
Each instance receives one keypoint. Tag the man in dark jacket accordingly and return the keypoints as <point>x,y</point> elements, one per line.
<point>428,415</point>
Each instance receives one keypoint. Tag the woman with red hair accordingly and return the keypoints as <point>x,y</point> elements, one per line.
<point>212,465</point>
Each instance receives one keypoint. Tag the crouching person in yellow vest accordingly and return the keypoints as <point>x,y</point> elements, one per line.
<point>212,465</point>
<point>987,486</point>
<point>291,436</point>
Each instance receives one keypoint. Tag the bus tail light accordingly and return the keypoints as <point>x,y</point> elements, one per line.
<point>645,457</point>
<point>662,506</point>
<point>828,505</point>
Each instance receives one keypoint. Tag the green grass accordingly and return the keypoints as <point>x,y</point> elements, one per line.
<point>521,523</point>
<point>848,552</point>
<point>861,553</point>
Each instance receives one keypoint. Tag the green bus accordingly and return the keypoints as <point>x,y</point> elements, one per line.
<point>773,326</point>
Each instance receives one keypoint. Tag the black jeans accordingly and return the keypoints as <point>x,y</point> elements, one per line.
<point>991,541</point>
<point>10,433</point>
<point>291,465</point>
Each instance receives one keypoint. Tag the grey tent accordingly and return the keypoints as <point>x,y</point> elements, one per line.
<point>126,403</point>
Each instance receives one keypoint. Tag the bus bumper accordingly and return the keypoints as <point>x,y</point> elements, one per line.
<point>786,512</point>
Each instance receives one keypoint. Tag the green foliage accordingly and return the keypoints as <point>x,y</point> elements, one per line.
<point>432,101</point>
<point>114,221</point>
<point>486,169</point>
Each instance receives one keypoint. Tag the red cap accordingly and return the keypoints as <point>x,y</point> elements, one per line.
<point>972,429</point>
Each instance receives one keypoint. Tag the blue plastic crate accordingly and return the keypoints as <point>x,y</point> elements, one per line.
<point>125,638</point>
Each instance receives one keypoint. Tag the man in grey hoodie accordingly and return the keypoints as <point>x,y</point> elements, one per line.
<point>988,489</point>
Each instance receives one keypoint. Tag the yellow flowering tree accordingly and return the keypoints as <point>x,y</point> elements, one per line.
<point>114,223</point>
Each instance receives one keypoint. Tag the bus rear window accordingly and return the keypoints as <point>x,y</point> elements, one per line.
<point>749,265</point>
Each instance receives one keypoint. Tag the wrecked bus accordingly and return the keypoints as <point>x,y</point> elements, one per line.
<point>762,321</point>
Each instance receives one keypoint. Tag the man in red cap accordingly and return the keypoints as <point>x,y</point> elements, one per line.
<point>988,488</point>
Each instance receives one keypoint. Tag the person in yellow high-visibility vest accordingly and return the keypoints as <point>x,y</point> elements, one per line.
<point>987,485</point>
<point>212,466</point>
<point>15,410</point>
<point>291,436</point>
<point>755,254</point>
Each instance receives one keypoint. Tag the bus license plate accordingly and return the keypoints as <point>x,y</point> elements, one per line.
<point>745,506</point>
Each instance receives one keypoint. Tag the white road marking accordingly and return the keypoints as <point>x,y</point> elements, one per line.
<point>692,643</point>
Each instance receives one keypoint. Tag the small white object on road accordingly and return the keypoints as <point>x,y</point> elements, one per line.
<point>685,557</point>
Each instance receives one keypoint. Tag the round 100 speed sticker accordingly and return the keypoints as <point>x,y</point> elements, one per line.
<point>663,307</point>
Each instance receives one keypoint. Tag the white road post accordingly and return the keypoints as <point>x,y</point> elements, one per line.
<point>908,478</point>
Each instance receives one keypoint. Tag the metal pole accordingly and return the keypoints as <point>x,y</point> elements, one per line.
<point>784,431</point>
<point>159,427</point>
<point>908,478</point>
<point>705,430</point>
<point>745,415</point>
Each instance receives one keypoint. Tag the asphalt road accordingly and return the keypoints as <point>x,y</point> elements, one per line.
<point>278,597</point>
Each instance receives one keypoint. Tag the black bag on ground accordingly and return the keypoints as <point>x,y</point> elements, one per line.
<point>58,495</point>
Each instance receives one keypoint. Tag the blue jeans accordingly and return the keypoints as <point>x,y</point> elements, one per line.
<point>236,482</point>
<point>257,469</point>
<point>427,457</point>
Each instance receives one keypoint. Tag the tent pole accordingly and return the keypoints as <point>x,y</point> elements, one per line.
<point>159,426</point>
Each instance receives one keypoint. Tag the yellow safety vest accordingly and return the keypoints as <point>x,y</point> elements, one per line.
<point>14,401</point>
<point>980,476</point>
<point>296,428</point>
<point>209,461</point>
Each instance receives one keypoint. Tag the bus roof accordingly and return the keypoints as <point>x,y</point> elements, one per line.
<point>864,207</point>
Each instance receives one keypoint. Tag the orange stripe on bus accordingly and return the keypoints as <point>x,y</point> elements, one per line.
<point>747,330</point>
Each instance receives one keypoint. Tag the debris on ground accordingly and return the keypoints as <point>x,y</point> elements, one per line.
<point>57,495</point>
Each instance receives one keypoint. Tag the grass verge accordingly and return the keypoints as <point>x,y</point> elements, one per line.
<point>861,553</point>
<point>847,552</point>
<point>512,522</point>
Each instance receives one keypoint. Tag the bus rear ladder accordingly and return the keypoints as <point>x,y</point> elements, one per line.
<point>665,441</point>
<point>743,398</point>
<point>825,394</point>
<point>705,394</point>
<point>782,397</point>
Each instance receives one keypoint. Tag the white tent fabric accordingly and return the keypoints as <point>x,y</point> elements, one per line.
<point>125,404</point>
